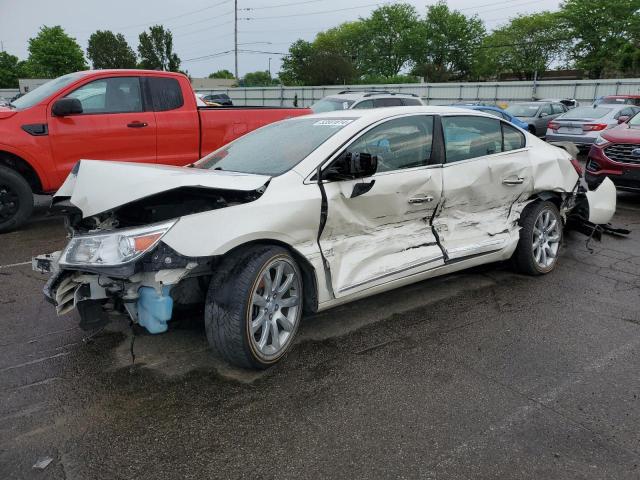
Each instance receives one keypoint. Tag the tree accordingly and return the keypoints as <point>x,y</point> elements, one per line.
<point>156,50</point>
<point>108,50</point>
<point>9,68</point>
<point>529,43</point>
<point>258,79</point>
<point>308,65</point>
<point>53,53</point>
<point>602,33</point>
<point>446,44</point>
<point>390,33</point>
<point>222,74</point>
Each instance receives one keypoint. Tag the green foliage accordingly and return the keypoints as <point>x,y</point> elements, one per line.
<point>222,74</point>
<point>258,79</point>
<point>108,50</point>
<point>53,53</point>
<point>529,43</point>
<point>447,44</point>
<point>307,65</point>
<point>156,50</point>
<point>606,34</point>
<point>9,70</point>
<point>379,79</point>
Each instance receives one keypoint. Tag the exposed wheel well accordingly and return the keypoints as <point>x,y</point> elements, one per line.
<point>16,163</point>
<point>309,281</point>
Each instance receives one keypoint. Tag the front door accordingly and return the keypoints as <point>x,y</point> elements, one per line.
<point>486,175</point>
<point>112,126</point>
<point>384,234</point>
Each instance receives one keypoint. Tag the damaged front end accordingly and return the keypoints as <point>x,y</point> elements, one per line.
<point>116,260</point>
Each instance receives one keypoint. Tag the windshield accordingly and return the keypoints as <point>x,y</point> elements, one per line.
<point>274,149</point>
<point>635,120</point>
<point>331,105</point>
<point>45,90</point>
<point>586,112</point>
<point>523,110</point>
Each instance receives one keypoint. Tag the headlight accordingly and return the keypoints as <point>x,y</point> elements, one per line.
<point>600,140</point>
<point>113,248</point>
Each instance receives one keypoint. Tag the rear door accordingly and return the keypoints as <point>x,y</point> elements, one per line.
<point>384,234</point>
<point>177,121</point>
<point>114,125</point>
<point>487,173</point>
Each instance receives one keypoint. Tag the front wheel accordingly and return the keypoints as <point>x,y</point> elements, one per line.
<point>254,307</point>
<point>16,200</point>
<point>540,239</point>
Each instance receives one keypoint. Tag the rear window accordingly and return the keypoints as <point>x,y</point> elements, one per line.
<point>166,94</point>
<point>411,101</point>
<point>587,112</point>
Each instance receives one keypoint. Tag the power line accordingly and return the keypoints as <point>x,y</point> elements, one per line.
<point>204,29</point>
<point>314,13</point>
<point>281,5</point>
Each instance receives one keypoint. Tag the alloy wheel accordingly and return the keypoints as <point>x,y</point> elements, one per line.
<point>546,239</point>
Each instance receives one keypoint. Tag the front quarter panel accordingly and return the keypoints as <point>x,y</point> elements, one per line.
<point>288,212</point>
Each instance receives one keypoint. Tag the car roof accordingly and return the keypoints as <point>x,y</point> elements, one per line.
<point>621,96</point>
<point>375,114</point>
<point>358,95</point>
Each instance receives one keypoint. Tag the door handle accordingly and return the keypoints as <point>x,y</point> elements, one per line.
<point>418,200</point>
<point>513,181</point>
<point>137,124</point>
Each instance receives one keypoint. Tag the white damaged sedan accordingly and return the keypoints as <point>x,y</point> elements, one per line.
<point>309,213</point>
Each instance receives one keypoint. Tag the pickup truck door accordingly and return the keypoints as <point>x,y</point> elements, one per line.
<point>177,122</point>
<point>383,233</point>
<point>487,172</point>
<point>113,125</point>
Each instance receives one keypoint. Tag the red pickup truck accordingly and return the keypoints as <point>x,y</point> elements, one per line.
<point>126,115</point>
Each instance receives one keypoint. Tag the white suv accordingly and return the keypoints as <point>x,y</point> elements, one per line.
<point>353,99</point>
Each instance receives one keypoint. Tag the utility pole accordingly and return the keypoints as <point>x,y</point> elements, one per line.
<point>235,36</point>
<point>269,67</point>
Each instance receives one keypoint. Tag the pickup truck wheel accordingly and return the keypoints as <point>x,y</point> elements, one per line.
<point>540,239</point>
<point>253,308</point>
<point>16,200</point>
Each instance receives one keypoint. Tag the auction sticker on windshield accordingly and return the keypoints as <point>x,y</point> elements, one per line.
<point>332,123</point>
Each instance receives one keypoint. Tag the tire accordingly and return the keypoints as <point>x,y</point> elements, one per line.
<point>16,200</point>
<point>532,129</point>
<point>243,307</point>
<point>539,245</point>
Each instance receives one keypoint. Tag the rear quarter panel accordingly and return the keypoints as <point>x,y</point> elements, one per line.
<point>220,126</point>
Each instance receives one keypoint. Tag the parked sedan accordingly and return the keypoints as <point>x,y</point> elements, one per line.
<point>496,112</point>
<point>310,213</point>
<point>536,114</point>
<point>582,125</point>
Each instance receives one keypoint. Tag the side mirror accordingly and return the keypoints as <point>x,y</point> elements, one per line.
<point>349,166</point>
<point>623,118</point>
<point>543,114</point>
<point>66,106</point>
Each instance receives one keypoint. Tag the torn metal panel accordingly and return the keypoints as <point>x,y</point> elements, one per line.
<point>384,234</point>
<point>602,202</point>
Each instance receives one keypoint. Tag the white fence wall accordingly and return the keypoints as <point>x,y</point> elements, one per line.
<point>8,92</point>
<point>584,91</point>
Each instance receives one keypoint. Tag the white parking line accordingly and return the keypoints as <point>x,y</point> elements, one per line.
<point>16,264</point>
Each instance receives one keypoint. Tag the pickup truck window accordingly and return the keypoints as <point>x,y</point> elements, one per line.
<point>166,94</point>
<point>110,95</point>
<point>274,149</point>
<point>45,90</point>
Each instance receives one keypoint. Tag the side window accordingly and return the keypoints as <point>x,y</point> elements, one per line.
<point>166,94</point>
<point>399,143</point>
<point>387,102</point>
<point>512,138</point>
<point>110,95</point>
<point>558,108</point>
<point>471,137</point>
<point>411,102</point>
<point>546,109</point>
<point>364,104</point>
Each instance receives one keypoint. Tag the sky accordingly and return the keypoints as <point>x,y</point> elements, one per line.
<point>204,28</point>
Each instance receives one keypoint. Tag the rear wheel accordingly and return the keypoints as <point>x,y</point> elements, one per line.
<point>540,239</point>
<point>532,129</point>
<point>16,200</point>
<point>254,307</point>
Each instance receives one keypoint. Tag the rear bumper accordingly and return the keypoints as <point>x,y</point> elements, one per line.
<point>579,140</point>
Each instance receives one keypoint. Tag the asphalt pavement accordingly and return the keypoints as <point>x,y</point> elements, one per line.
<point>481,374</point>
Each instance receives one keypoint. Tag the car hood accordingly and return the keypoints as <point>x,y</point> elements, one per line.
<point>623,133</point>
<point>96,186</point>
<point>6,112</point>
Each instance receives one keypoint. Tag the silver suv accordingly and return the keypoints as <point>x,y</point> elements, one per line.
<point>349,99</point>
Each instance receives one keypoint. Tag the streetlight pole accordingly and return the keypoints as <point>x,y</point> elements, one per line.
<point>269,67</point>
<point>235,36</point>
